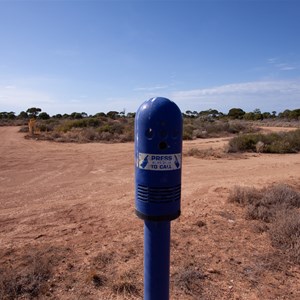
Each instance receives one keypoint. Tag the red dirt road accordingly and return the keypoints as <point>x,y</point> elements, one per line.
<point>73,204</point>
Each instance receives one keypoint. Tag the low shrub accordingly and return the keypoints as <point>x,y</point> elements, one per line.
<point>188,130</point>
<point>283,142</point>
<point>285,234</point>
<point>93,129</point>
<point>67,125</point>
<point>205,153</point>
<point>85,130</point>
<point>265,203</point>
<point>244,195</point>
<point>198,128</point>
<point>279,206</point>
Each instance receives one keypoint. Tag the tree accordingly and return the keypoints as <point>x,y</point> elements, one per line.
<point>131,115</point>
<point>195,114</point>
<point>23,115</point>
<point>189,113</point>
<point>294,114</point>
<point>236,113</point>
<point>3,115</point>
<point>58,116</point>
<point>122,113</point>
<point>266,115</point>
<point>257,114</point>
<point>214,113</point>
<point>11,115</point>
<point>33,112</point>
<point>7,115</point>
<point>249,116</point>
<point>99,115</point>
<point>113,114</point>
<point>76,115</point>
<point>44,116</point>
<point>211,113</point>
<point>285,114</point>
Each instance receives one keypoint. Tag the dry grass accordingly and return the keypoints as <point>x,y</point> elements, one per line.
<point>277,122</point>
<point>204,153</point>
<point>209,153</point>
<point>285,234</point>
<point>96,279</point>
<point>30,280</point>
<point>190,280</point>
<point>103,259</point>
<point>29,276</point>
<point>279,206</point>
<point>126,285</point>
<point>36,274</point>
<point>265,203</point>
<point>244,195</point>
<point>123,285</point>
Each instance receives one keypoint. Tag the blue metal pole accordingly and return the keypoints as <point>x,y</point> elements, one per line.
<point>156,260</point>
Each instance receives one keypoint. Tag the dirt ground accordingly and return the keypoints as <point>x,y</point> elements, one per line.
<point>69,209</point>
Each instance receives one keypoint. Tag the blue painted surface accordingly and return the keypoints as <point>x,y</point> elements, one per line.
<point>156,260</point>
<point>158,149</point>
<point>158,134</point>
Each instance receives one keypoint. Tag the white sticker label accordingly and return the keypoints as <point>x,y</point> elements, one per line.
<point>159,162</point>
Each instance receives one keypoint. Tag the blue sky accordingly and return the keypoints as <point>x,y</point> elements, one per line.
<point>96,56</point>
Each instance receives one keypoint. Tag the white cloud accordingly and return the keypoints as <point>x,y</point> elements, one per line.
<point>150,89</point>
<point>285,67</point>
<point>18,98</point>
<point>256,87</point>
<point>273,60</point>
<point>250,94</point>
<point>277,63</point>
<point>10,87</point>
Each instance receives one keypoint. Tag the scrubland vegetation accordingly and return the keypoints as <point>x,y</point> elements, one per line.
<point>278,207</point>
<point>281,142</point>
<point>37,275</point>
<point>119,127</point>
<point>273,213</point>
<point>86,130</point>
<point>30,279</point>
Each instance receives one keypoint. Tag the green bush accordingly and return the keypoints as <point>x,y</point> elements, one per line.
<point>67,125</point>
<point>100,128</point>
<point>283,142</point>
<point>188,131</point>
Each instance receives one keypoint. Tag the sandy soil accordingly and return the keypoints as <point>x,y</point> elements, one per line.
<point>71,207</point>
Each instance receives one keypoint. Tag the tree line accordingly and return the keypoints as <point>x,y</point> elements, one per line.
<point>210,114</point>
<point>238,113</point>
